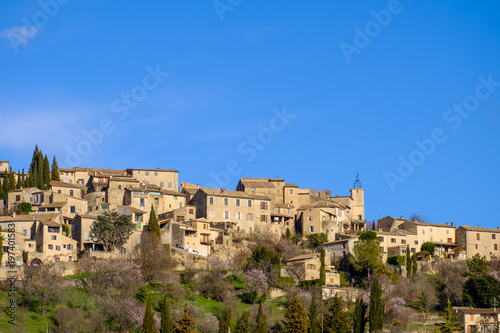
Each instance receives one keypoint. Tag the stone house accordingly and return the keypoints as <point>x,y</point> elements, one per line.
<point>164,178</point>
<point>70,190</point>
<point>477,240</point>
<point>307,267</point>
<point>322,217</point>
<point>242,210</point>
<point>477,320</point>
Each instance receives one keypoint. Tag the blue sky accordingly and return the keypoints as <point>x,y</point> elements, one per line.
<point>311,92</point>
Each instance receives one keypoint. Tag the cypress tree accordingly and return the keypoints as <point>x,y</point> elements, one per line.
<point>373,226</point>
<point>2,193</point>
<point>261,320</point>
<point>359,316</point>
<point>295,318</point>
<point>408,261</point>
<point>336,321</point>
<point>243,323</point>
<point>12,180</point>
<point>148,324</point>
<point>376,307</point>
<point>414,265</point>
<point>166,319</point>
<point>46,173</point>
<point>322,277</point>
<point>313,316</point>
<point>39,170</point>
<point>154,226</point>
<point>19,181</point>
<point>54,174</point>
<point>5,184</point>
<point>225,321</point>
<point>33,173</point>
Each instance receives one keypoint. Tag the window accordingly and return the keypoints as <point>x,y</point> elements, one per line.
<point>54,237</point>
<point>180,204</point>
<point>58,248</point>
<point>249,230</point>
<point>59,191</point>
<point>226,215</point>
<point>191,211</point>
<point>430,229</point>
<point>161,184</point>
<point>360,217</point>
<point>493,236</point>
<point>331,280</point>
<point>381,238</point>
<point>204,226</point>
<point>478,236</point>
<point>309,218</point>
<point>22,226</point>
<point>18,198</point>
<point>18,246</point>
<point>263,205</point>
<point>51,247</point>
<point>169,185</point>
<point>249,203</point>
<point>449,240</point>
<point>175,197</point>
<point>393,240</point>
<point>139,226</point>
<point>142,202</point>
<point>25,232</point>
<point>263,218</point>
<point>403,241</point>
<point>416,242</point>
<point>72,209</point>
<point>119,196</point>
<point>156,201</point>
<point>237,202</point>
<point>69,258</point>
<point>226,201</point>
<point>156,173</point>
<point>71,192</point>
<point>423,231</point>
<point>291,192</point>
<point>311,228</point>
<point>86,236</point>
<point>211,200</point>
<point>104,207</point>
<point>238,216</point>
<point>495,247</point>
<point>250,216</point>
<point>30,245</point>
<point>412,250</point>
<point>476,246</point>
<point>147,173</point>
<point>279,211</point>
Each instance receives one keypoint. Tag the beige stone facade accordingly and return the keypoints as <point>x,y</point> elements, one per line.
<point>477,240</point>
<point>164,178</point>
<point>477,320</point>
<point>70,190</point>
<point>244,211</point>
<point>307,267</point>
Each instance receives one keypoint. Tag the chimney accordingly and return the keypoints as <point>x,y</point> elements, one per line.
<point>447,223</point>
<point>452,224</point>
<point>401,217</point>
<point>478,225</point>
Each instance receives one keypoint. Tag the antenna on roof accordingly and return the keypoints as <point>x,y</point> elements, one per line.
<point>357,182</point>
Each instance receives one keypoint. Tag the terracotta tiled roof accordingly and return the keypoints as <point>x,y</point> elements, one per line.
<point>303,257</point>
<point>469,310</point>
<point>257,184</point>
<point>16,218</point>
<point>63,184</point>
<point>291,185</point>
<point>133,209</point>
<point>72,169</point>
<point>226,193</point>
<point>469,228</point>
<point>322,204</point>
<point>54,205</point>
<point>160,170</point>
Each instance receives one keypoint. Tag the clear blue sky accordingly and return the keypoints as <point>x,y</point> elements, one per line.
<point>360,82</point>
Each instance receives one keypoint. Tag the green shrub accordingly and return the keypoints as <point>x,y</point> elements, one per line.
<point>309,283</point>
<point>250,298</point>
<point>142,294</point>
<point>397,260</point>
<point>343,281</point>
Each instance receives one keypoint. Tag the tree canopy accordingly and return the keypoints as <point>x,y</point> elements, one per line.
<point>367,253</point>
<point>429,247</point>
<point>112,230</point>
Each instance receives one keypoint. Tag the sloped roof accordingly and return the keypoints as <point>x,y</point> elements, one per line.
<point>63,184</point>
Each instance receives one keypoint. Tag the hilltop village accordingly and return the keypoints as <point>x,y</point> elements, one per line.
<point>51,222</point>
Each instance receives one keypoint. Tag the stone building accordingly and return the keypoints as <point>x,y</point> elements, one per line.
<point>477,240</point>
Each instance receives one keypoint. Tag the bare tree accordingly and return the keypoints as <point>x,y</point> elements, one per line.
<point>419,217</point>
